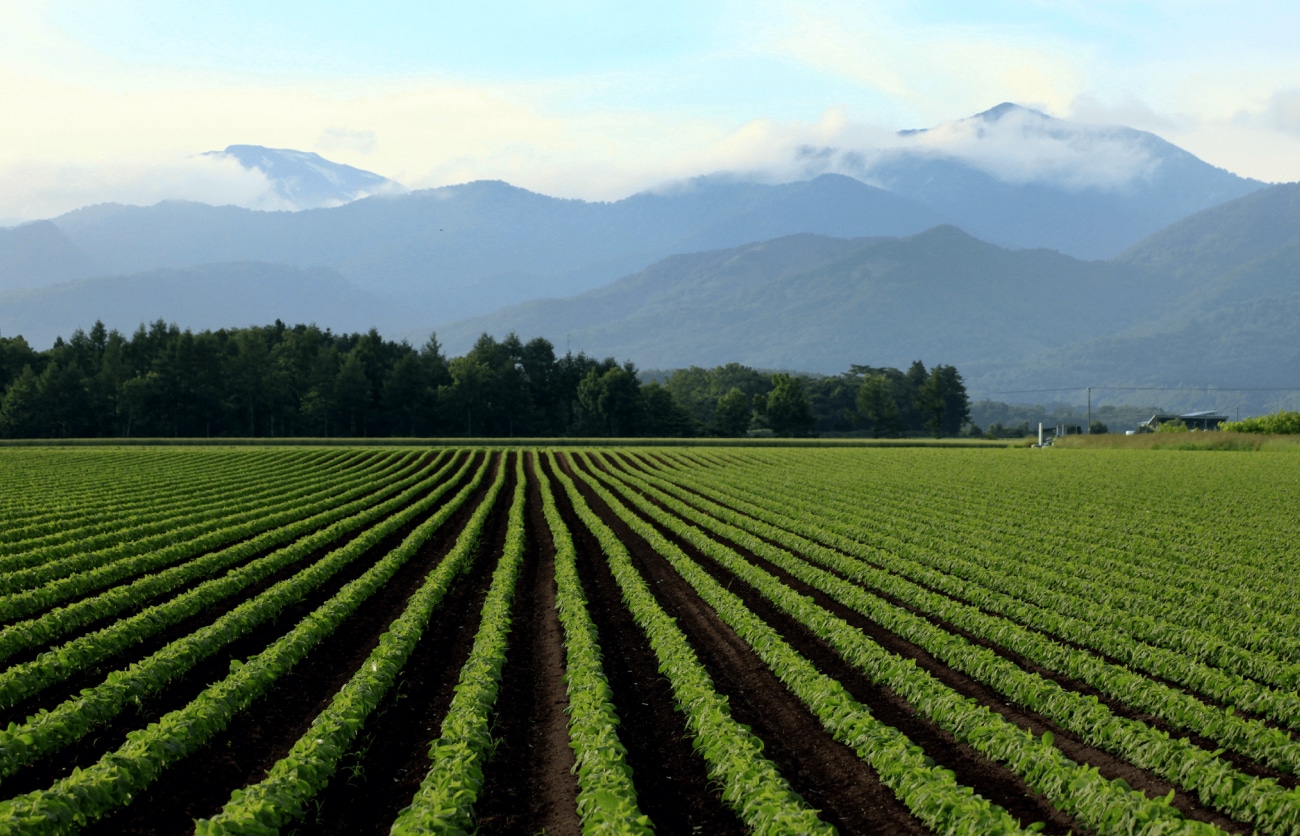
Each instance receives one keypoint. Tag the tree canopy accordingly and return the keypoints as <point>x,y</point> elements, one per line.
<point>302,381</point>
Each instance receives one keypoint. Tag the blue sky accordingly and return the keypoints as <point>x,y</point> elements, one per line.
<point>111,99</point>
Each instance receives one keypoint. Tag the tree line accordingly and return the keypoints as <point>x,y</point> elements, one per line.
<point>302,381</point>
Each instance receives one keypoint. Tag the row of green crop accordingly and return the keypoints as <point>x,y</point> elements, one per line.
<point>58,622</point>
<point>1062,606</point>
<point>283,795</point>
<point>158,553</point>
<point>57,484</point>
<point>150,531</point>
<point>749,782</point>
<point>983,589</point>
<point>1200,603</point>
<point>607,800</point>
<point>444,802</point>
<point>1249,649</point>
<point>973,586</point>
<point>1107,806</point>
<point>76,537</point>
<point>1168,532</point>
<point>136,487</point>
<point>90,793</point>
<point>1115,549</point>
<point>931,792</point>
<point>1260,801</point>
<point>56,663</point>
<point>93,524</point>
<point>51,730</point>
<point>106,514</point>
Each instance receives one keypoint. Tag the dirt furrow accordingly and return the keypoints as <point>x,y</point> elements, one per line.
<point>672,784</point>
<point>529,785</point>
<point>828,774</point>
<point>1109,765</point>
<point>1120,709</point>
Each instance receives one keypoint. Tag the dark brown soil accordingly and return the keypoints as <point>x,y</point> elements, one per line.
<point>827,774</point>
<point>673,787</point>
<point>383,771</point>
<point>529,786</point>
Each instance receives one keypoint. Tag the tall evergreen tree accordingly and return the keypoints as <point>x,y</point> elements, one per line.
<point>787,407</point>
<point>943,401</point>
<point>352,394</point>
<point>22,411</point>
<point>878,405</point>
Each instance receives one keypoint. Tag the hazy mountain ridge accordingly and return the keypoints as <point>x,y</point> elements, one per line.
<point>464,249</point>
<point>1011,320</point>
<point>810,302</point>
<point>39,253</point>
<point>474,247</point>
<point>207,297</point>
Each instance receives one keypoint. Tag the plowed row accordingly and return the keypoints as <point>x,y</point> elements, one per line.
<point>632,641</point>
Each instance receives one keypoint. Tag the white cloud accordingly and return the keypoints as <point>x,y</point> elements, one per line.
<point>1281,112</point>
<point>1023,147</point>
<point>1130,111</point>
<point>43,190</point>
<point>347,139</point>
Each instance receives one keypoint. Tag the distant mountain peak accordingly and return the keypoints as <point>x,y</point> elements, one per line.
<point>307,180</point>
<point>1016,176</point>
<point>997,112</point>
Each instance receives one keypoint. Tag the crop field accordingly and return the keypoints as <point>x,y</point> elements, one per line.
<point>639,640</point>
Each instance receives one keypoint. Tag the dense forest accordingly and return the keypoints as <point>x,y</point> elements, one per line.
<point>302,381</point>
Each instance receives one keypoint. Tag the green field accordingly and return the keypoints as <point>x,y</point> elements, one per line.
<point>652,638</point>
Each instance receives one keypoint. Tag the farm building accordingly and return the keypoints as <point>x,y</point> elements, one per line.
<point>1208,420</point>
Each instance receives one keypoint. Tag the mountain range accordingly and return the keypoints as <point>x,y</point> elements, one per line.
<point>1019,178</point>
<point>1022,248</point>
<point>1211,301</point>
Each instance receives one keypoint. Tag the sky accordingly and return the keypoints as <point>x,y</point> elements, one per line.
<point>115,100</point>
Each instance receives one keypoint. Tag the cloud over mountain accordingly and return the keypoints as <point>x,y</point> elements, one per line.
<point>36,190</point>
<point>304,180</point>
<point>1013,144</point>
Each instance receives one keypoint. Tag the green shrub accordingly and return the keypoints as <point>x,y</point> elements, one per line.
<point>1279,423</point>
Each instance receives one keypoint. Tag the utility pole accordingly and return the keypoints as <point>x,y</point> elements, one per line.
<point>1089,410</point>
